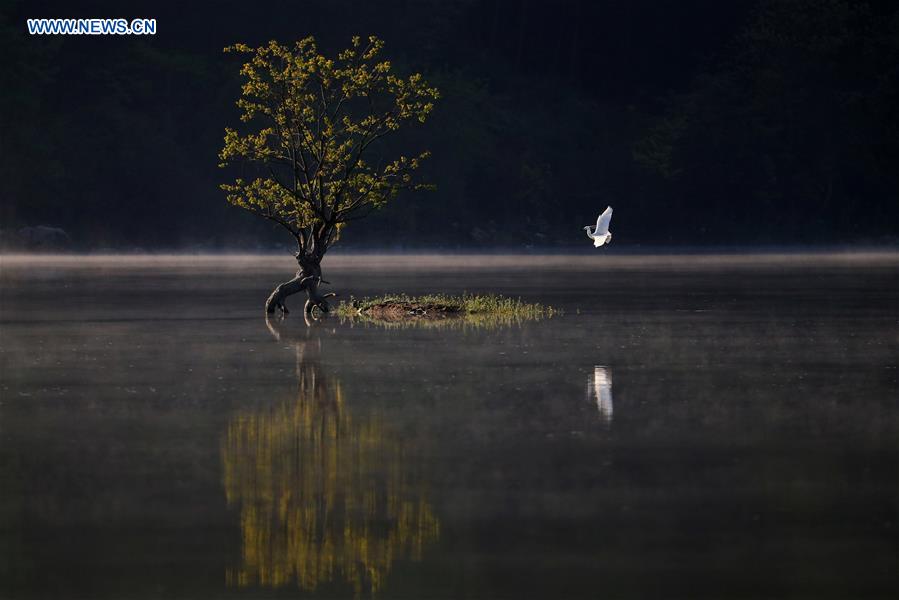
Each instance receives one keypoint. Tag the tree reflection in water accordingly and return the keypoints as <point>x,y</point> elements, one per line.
<point>323,496</point>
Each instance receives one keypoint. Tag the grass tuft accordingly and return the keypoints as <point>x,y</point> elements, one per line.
<point>470,309</point>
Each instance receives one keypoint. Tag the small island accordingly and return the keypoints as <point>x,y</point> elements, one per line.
<point>442,307</point>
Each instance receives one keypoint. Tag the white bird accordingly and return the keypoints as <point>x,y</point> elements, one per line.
<point>601,234</point>
<point>599,389</point>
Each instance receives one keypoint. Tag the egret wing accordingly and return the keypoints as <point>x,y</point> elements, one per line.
<point>602,223</point>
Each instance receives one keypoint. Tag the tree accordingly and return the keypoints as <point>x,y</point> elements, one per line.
<point>313,127</point>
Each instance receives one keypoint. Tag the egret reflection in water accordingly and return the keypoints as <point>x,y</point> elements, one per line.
<point>599,390</point>
<point>324,495</point>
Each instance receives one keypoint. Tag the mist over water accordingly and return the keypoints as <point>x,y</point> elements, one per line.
<point>703,426</point>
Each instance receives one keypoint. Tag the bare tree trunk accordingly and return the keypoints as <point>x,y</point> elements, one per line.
<point>307,278</point>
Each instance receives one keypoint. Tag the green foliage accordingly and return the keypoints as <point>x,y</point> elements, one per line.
<point>313,123</point>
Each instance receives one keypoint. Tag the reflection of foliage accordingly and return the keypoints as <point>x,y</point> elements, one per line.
<point>462,321</point>
<point>322,495</point>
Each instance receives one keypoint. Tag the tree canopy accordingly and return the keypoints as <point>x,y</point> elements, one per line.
<point>312,125</point>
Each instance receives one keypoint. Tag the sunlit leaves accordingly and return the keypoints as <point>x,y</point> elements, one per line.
<point>267,198</point>
<point>313,131</point>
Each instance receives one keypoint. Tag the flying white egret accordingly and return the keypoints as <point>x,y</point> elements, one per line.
<point>601,234</point>
<point>599,389</point>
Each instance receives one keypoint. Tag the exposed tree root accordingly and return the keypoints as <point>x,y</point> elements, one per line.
<point>308,278</point>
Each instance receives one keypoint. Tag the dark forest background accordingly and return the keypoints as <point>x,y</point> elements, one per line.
<point>702,123</point>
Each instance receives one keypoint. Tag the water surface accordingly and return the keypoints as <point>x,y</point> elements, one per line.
<point>693,427</point>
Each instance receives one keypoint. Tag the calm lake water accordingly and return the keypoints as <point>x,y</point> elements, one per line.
<point>690,427</point>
